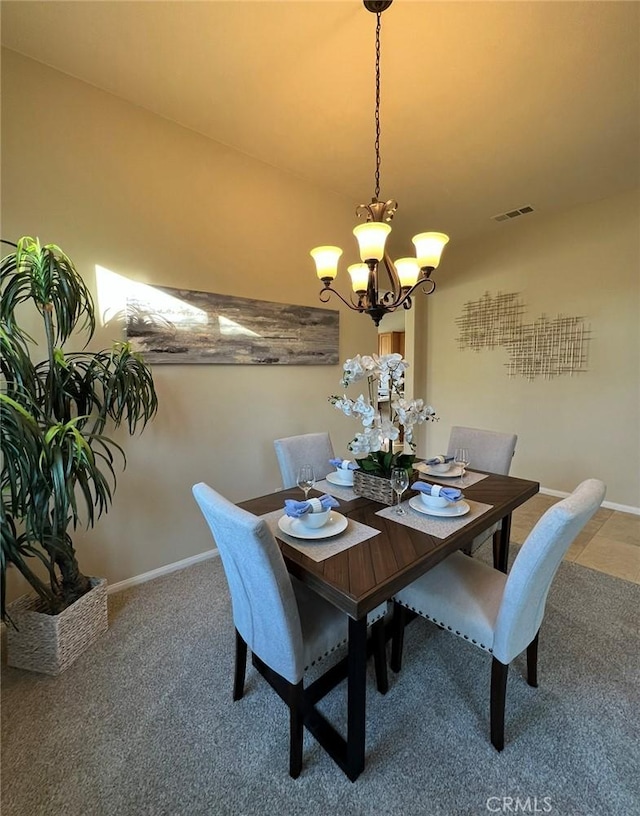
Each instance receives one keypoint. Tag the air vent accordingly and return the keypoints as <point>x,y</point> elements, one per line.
<point>513,214</point>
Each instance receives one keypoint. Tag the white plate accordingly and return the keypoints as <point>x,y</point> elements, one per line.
<point>336,480</point>
<point>453,472</point>
<point>460,508</point>
<point>294,527</point>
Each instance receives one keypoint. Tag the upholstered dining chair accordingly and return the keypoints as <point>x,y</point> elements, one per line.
<point>306,449</point>
<point>499,613</point>
<point>490,451</point>
<point>286,625</point>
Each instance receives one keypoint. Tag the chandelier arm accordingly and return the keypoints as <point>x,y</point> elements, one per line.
<point>394,279</point>
<point>406,294</point>
<point>325,296</point>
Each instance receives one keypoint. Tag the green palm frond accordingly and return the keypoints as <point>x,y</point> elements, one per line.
<point>20,444</point>
<point>47,277</point>
<point>130,394</point>
<point>61,384</point>
<point>17,370</point>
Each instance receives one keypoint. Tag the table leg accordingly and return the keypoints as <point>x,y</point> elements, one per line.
<point>356,697</point>
<point>501,546</point>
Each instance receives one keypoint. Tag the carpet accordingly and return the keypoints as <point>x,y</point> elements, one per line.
<point>144,722</point>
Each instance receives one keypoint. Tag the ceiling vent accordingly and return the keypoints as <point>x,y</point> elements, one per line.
<point>512,214</point>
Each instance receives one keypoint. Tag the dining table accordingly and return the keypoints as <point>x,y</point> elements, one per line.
<point>359,578</point>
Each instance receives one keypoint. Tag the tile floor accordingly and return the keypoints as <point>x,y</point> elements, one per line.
<point>610,542</point>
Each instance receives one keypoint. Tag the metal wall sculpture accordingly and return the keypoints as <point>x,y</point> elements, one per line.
<point>170,325</point>
<point>546,348</point>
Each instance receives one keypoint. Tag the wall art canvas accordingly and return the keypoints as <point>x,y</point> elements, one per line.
<point>170,325</point>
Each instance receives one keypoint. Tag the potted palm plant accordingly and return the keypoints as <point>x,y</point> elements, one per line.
<point>58,467</point>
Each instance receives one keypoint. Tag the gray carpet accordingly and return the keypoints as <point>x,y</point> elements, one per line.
<point>144,723</point>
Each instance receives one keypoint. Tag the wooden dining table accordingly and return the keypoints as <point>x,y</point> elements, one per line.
<point>369,573</point>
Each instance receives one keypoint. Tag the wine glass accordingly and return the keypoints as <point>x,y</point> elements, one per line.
<point>306,479</point>
<point>399,482</point>
<point>461,458</point>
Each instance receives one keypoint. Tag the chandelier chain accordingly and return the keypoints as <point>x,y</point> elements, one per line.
<point>377,114</point>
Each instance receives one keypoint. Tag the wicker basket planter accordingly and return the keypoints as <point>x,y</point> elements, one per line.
<point>50,643</point>
<point>377,488</point>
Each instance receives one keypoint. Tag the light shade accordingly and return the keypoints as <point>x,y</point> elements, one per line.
<point>326,258</point>
<point>359,276</point>
<point>408,270</point>
<point>429,246</point>
<point>371,239</point>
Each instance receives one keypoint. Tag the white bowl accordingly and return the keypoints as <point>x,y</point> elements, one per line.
<point>316,520</point>
<point>434,501</point>
<point>442,467</point>
<point>345,476</point>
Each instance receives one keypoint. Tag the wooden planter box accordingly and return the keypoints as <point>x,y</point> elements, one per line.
<point>378,488</point>
<point>49,643</point>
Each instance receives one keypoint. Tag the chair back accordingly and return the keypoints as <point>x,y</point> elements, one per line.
<point>490,451</point>
<point>525,593</point>
<point>307,449</point>
<point>265,611</point>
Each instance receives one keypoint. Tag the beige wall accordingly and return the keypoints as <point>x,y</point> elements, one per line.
<point>116,186</point>
<point>586,262</point>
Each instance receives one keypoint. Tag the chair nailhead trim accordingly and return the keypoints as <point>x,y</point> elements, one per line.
<point>337,646</point>
<point>326,654</point>
<point>446,626</point>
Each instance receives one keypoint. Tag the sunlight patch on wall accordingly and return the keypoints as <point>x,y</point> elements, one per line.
<point>117,294</point>
<point>233,329</point>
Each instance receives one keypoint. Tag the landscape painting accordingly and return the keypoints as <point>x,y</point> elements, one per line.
<point>168,325</point>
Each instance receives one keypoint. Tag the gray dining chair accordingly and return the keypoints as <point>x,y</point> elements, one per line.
<point>499,613</point>
<point>306,449</point>
<point>288,627</point>
<point>491,452</point>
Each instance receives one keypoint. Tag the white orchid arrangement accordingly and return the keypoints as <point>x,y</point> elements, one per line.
<point>381,428</point>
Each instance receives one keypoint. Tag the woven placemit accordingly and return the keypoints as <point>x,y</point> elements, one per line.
<point>49,643</point>
<point>377,488</point>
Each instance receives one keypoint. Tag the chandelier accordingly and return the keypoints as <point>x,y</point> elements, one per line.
<point>406,274</point>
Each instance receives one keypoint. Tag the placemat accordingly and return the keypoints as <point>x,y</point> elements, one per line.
<point>435,525</point>
<point>345,493</point>
<point>323,548</point>
<point>470,478</point>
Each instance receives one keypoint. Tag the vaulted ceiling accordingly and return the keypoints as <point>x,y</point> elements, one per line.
<point>486,106</point>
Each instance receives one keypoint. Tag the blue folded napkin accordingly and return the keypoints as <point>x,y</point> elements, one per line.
<point>451,494</point>
<point>439,460</point>
<point>344,464</point>
<point>295,509</point>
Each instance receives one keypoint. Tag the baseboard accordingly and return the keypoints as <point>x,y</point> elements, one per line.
<point>195,559</point>
<point>205,556</point>
<point>158,573</point>
<point>622,508</point>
